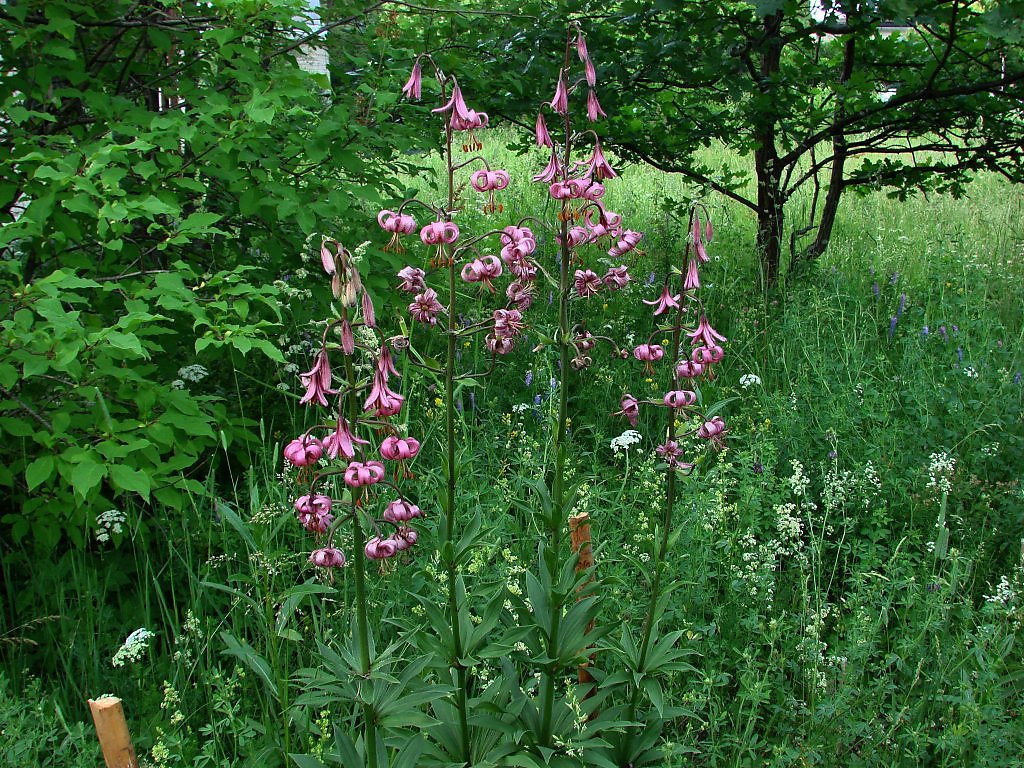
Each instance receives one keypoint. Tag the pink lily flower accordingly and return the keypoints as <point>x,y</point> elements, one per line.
<point>490,182</point>
<point>302,452</point>
<point>497,346</point>
<point>508,323</point>
<point>713,431</point>
<point>594,192</point>
<point>649,353</point>
<point>541,131</point>
<point>577,236</point>
<point>617,278</point>
<point>327,557</point>
<point>594,111</point>
<point>584,341</point>
<point>629,241</point>
<point>520,293</point>
<point>314,512</point>
<point>397,224</point>
<point>687,369</point>
<point>412,280</point>
<point>692,281</point>
<point>551,170</point>
<point>401,511</point>
<point>342,441</point>
<point>425,307</point>
<point>317,380</point>
<point>680,398</point>
<point>382,400</point>
<point>327,260</point>
<point>412,89</point>
<point>664,302</point>
<point>482,270</point>
<point>630,409</point>
<point>399,449</point>
<point>598,166</point>
<point>586,282</point>
<point>584,54</point>
<point>707,355</point>
<point>348,339</point>
<point>404,538</point>
<point>379,548</point>
<point>705,333</point>
<point>439,232</point>
<point>560,102</point>
<point>361,474</point>
<point>709,231</point>
<point>369,314</point>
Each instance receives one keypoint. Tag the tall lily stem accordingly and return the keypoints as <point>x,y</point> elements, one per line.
<point>558,480</point>
<point>448,530</point>
<point>362,621</point>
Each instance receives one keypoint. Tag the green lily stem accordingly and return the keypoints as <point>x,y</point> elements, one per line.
<point>362,620</point>
<point>448,528</point>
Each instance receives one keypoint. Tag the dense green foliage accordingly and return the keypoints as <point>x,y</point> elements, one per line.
<point>847,577</point>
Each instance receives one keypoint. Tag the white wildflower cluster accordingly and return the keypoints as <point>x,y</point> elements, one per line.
<point>193,373</point>
<point>177,384</point>
<point>134,646</point>
<point>940,472</point>
<point>749,380</point>
<point>522,407</point>
<point>790,527</point>
<point>624,441</point>
<point>754,575</point>
<point>292,292</point>
<point>990,449</point>
<point>581,503</point>
<point>811,648</point>
<point>1008,599</point>
<point>970,372</point>
<point>367,338</point>
<point>107,523</point>
<point>291,369</point>
<point>798,481</point>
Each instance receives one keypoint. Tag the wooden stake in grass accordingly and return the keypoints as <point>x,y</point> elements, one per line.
<point>112,731</point>
<point>579,535</point>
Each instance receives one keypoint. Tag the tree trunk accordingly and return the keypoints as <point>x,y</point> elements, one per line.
<point>766,166</point>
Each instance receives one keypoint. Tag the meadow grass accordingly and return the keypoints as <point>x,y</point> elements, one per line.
<point>845,598</point>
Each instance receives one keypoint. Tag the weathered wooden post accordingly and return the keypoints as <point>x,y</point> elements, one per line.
<point>112,731</point>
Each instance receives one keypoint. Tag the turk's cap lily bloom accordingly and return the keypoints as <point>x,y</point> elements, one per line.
<point>649,353</point>
<point>498,346</point>
<point>560,101</point>
<point>359,474</point>
<point>711,429</point>
<point>541,132</point>
<point>586,282</point>
<point>413,280</point>
<point>482,270</point>
<point>688,369</point>
<point>398,223</point>
<point>439,232</point>
<point>552,170</point>
<point>311,504</point>
<point>584,341</point>
<point>617,278</point>
<point>341,442</point>
<point>369,313</point>
<point>666,301</point>
<point>577,236</point>
<point>707,355</point>
<point>680,398</point>
<point>629,240</point>
<point>512,235</point>
<point>508,323</point>
<point>630,408</point>
<point>692,281</point>
<point>598,167</point>
<point>594,192</point>
<point>486,181</point>
<point>383,401</point>
<point>404,538</point>
<point>594,111</point>
<point>401,511</point>
<point>302,452</point>
<point>671,452</point>
<point>570,189</point>
<point>379,548</point>
<point>399,449</point>
<point>317,380</point>
<point>425,307</point>
<point>327,557</point>
<point>327,260</point>
<point>413,88</point>
<point>521,294</point>
<point>705,334</point>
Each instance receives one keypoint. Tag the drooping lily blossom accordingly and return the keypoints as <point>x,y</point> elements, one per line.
<point>692,281</point>
<point>594,192</point>
<point>397,224</point>
<point>665,301</point>
<point>541,132</point>
<point>425,307</point>
<point>401,511</point>
<point>586,282</point>
<point>584,341</point>
<point>317,380</point>
<point>327,260</point>
<point>498,346</point>
<point>705,334</point>
<point>584,54</point>
<point>399,449</point>
<point>687,369</point>
<point>490,182</point>
<point>570,189</point>
<point>617,278</point>
<point>359,474</point>
<point>404,537</point>
<point>560,101</point>
<point>382,400</point>
<point>627,242</point>
<point>314,512</point>
<point>508,323</point>
<point>304,451</point>
<point>714,431</point>
<point>369,314</point>
<point>440,233</point>
<point>630,408</point>
<point>707,355</point>
<point>552,170</point>
<point>482,270</point>
<point>520,294</point>
<point>649,353</point>
<point>577,236</point>
<point>598,166</point>
<point>413,279</point>
<point>342,442</point>
<point>462,118</point>
<point>680,398</point>
<point>413,86</point>
<point>594,111</point>
<point>327,557</point>
<point>379,548</point>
